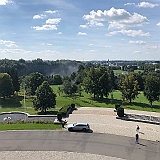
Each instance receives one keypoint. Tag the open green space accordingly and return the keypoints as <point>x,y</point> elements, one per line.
<point>85,100</point>
<point>29,126</point>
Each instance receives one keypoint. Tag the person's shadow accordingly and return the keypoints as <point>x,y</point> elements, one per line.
<point>141,132</point>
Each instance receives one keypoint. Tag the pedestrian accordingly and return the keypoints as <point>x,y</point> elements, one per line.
<point>63,124</point>
<point>137,138</point>
<point>137,129</point>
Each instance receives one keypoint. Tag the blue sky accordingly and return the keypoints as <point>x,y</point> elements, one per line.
<point>80,29</point>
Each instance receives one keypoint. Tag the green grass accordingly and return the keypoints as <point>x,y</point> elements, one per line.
<point>29,126</point>
<point>140,103</point>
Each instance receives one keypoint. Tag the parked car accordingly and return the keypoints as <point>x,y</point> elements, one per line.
<point>80,126</point>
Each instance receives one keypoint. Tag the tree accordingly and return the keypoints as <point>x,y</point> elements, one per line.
<point>15,80</point>
<point>69,88</point>
<point>152,88</point>
<point>57,79</point>
<point>129,87</point>
<point>45,97</point>
<point>33,81</point>
<point>97,82</point>
<point>6,86</point>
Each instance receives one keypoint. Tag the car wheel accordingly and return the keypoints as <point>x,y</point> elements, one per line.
<point>84,129</point>
<point>70,129</point>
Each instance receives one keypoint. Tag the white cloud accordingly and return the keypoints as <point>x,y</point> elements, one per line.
<point>147,5</point>
<point>45,27</point>
<point>83,26</point>
<point>158,24</point>
<point>112,33</point>
<point>117,18</point>
<point>39,16</point>
<point>132,33</point>
<point>82,34</point>
<point>51,12</point>
<point>137,42</point>
<point>129,4</point>
<point>46,44</point>
<point>137,51</point>
<point>53,21</point>
<point>8,43</point>
<point>4,2</point>
<point>108,46</point>
<point>51,24</point>
<point>93,50</point>
<point>90,45</point>
<point>59,33</point>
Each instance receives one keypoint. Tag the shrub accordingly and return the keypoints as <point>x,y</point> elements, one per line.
<point>120,112</point>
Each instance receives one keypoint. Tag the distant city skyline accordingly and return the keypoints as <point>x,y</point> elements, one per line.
<point>82,30</point>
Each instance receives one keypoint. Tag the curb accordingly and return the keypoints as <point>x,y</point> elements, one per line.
<point>138,120</point>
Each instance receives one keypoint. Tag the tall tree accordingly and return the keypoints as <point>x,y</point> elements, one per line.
<point>33,81</point>
<point>15,80</point>
<point>129,87</point>
<point>69,88</point>
<point>6,86</point>
<point>152,88</point>
<point>97,82</point>
<point>45,97</point>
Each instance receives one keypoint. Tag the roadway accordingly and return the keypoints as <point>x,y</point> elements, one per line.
<point>94,143</point>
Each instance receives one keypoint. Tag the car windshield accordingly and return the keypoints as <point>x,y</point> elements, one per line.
<point>74,124</point>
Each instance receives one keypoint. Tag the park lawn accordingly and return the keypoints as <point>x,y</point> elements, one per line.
<point>85,100</point>
<point>29,126</point>
<point>120,71</point>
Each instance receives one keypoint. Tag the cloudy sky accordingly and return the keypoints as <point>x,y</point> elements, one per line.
<point>80,29</point>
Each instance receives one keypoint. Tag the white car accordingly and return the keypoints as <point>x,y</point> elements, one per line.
<point>80,126</point>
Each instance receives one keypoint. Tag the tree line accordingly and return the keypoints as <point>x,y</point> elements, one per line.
<point>96,81</point>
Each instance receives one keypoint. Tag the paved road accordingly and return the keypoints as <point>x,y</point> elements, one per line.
<point>94,143</point>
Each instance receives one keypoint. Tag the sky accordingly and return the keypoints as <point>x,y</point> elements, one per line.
<point>82,30</point>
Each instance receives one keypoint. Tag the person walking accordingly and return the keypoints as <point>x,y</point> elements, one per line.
<point>137,129</point>
<point>137,138</point>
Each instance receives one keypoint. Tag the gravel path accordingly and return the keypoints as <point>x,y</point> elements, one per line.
<point>103,120</point>
<point>49,155</point>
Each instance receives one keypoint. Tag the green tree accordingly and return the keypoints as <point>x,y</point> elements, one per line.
<point>97,82</point>
<point>57,79</point>
<point>45,98</point>
<point>129,87</point>
<point>152,88</point>
<point>6,86</point>
<point>69,88</point>
<point>15,80</point>
<point>33,81</point>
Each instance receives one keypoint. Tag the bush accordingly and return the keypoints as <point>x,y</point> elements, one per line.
<point>117,106</point>
<point>120,112</point>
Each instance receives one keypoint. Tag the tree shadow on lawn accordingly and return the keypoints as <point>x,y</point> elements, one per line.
<point>143,105</point>
<point>48,113</point>
<point>104,100</point>
<point>11,102</point>
<point>107,101</point>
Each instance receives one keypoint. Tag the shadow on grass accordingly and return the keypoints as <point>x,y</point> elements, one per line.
<point>11,102</point>
<point>143,105</point>
<point>48,113</point>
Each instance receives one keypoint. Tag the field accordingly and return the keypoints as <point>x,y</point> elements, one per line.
<point>85,100</point>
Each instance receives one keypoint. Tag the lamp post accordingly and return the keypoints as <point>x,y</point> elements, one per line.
<point>24,103</point>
